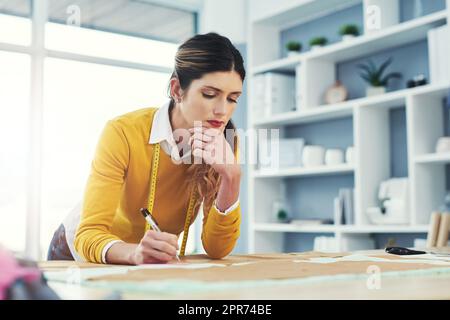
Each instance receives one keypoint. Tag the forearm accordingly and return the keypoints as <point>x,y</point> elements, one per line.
<point>121,253</point>
<point>220,232</point>
<point>229,187</point>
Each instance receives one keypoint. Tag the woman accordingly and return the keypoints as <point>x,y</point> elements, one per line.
<point>141,163</point>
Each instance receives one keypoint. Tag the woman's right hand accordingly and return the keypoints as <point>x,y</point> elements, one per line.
<point>155,247</point>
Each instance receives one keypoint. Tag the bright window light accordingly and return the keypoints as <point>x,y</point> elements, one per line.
<point>109,45</point>
<point>21,34</point>
<point>79,98</point>
<point>14,146</point>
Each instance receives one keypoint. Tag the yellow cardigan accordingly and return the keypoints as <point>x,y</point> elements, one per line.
<point>118,186</point>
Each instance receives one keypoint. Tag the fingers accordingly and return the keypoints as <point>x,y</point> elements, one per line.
<point>205,131</point>
<point>198,136</point>
<point>163,236</point>
<point>161,246</point>
<point>151,254</point>
<point>164,247</point>
<point>199,144</point>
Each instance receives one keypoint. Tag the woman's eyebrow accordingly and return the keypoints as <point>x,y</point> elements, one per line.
<point>217,89</point>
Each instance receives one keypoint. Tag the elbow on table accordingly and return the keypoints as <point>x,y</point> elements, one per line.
<point>84,246</point>
<point>221,251</point>
<point>217,254</point>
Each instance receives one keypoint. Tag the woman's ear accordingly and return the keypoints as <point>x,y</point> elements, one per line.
<point>175,89</point>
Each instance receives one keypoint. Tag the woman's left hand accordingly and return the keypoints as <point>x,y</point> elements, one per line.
<point>210,146</point>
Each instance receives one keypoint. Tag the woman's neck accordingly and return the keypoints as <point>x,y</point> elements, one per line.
<point>176,118</point>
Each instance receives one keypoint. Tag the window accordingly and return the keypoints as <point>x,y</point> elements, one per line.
<point>109,45</point>
<point>14,15</point>
<point>138,18</point>
<point>14,120</point>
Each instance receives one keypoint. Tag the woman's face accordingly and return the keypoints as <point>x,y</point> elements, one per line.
<point>211,99</point>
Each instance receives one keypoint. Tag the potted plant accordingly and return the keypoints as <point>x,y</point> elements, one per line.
<point>318,42</point>
<point>374,76</point>
<point>293,47</point>
<point>349,31</point>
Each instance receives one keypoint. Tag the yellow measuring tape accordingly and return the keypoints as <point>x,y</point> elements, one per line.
<point>151,198</point>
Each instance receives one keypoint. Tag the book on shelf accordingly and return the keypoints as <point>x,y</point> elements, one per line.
<point>438,53</point>
<point>344,207</point>
<point>326,244</point>
<point>288,155</point>
<point>274,93</point>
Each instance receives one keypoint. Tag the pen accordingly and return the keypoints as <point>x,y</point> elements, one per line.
<point>152,222</point>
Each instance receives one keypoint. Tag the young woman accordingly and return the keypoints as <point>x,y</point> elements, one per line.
<point>141,163</point>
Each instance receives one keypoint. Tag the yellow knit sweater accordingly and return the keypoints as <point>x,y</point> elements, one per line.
<point>118,186</point>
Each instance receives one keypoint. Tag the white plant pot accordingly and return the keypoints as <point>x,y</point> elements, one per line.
<point>350,155</point>
<point>443,145</point>
<point>313,156</point>
<point>316,47</point>
<point>293,53</point>
<point>334,157</point>
<point>348,37</point>
<point>373,91</point>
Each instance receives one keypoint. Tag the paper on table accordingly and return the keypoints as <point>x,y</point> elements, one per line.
<point>77,275</point>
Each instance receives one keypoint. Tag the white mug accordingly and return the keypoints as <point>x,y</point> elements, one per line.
<point>313,156</point>
<point>350,155</point>
<point>334,157</point>
<point>443,145</point>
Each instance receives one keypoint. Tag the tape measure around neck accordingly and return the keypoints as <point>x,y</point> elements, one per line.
<point>151,198</point>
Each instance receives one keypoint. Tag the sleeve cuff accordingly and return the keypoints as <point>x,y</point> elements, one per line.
<point>107,247</point>
<point>227,211</point>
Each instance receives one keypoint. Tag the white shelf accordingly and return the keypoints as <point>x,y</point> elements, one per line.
<point>401,34</point>
<point>287,64</point>
<point>295,14</point>
<point>301,171</point>
<point>345,109</point>
<point>287,227</point>
<point>433,158</point>
<point>392,99</point>
<point>324,112</point>
<point>383,229</point>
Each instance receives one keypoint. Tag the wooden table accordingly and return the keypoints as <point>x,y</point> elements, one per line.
<point>403,287</point>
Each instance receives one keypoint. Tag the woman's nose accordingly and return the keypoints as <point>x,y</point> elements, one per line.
<point>220,108</point>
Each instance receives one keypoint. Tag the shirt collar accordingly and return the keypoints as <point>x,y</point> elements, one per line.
<point>162,132</point>
<point>161,127</point>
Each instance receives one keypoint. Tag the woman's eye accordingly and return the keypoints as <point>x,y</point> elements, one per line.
<point>233,101</point>
<point>208,96</point>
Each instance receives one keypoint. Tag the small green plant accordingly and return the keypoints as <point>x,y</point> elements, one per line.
<point>282,215</point>
<point>374,76</point>
<point>349,29</point>
<point>318,41</point>
<point>294,46</point>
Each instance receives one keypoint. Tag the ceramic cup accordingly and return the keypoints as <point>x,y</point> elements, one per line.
<point>443,145</point>
<point>313,156</point>
<point>334,157</point>
<point>350,155</point>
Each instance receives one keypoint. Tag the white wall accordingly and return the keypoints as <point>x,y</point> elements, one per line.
<point>261,8</point>
<point>228,18</point>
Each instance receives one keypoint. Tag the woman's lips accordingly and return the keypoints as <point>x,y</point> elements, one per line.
<point>215,123</point>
